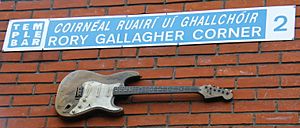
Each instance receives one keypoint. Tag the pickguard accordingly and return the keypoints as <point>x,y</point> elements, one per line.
<point>96,95</point>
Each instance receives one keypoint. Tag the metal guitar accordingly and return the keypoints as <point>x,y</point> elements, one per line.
<point>83,91</point>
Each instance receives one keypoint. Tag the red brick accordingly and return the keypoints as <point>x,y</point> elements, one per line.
<point>26,122</point>
<point>290,81</point>
<point>289,105</point>
<point>2,123</point>
<point>157,51</point>
<point>281,46</point>
<point>287,126</point>
<point>298,11</point>
<point>45,88</point>
<point>281,2</point>
<point>156,73</point>
<point>244,4</point>
<point>194,72</point>
<point>15,15</point>
<point>211,107</point>
<point>279,69</point>
<point>146,120</point>
<point>184,119</point>
<point>254,127</point>
<point>217,60</point>
<point>136,63</point>
<point>61,75</point>
<point>143,1</point>
<point>19,67</point>
<point>3,25</point>
<point>88,12</point>
<point>57,66</point>
<point>197,49</point>
<point>244,94</point>
<point>111,53</point>
<point>169,107</point>
<point>178,61</point>
<point>106,122</point>
<point>297,23</point>
<point>180,82</point>
<point>42,111</point>
<point>236,48</point>
<point>287,93</point>
<point>220,82</point>
<point>277,118</point>
<point>198,6</point>
<point>135,108</point>
<point>297,33</point>
<point>254,106</point>
<point>16,89</point>
<point>7,5</point>
<point>291,57</point>
<point>79,54</point>
<point>258,82</point>
<point>106,2</point>
<point>8,78</point>
<point>1,44</point>
<point>54,122</point>
<point>186,97</point>
<point>14,112</point>
<point>236,71</point>
<point>231,118</point>
<point>164,8</point>
<point>258,58</point>
<point>33,5</point>
<point>97,64</point>
<point>126,10</point>
<point>51,14</point>
<point>40,56</point>
<point>10,57</point>
<point>151,98</point>
<point>69,3</point>
<point>141,83</point>
<point>4,101</point>
<point>2,35</point>
<point>32,78</point>
<point>170,1</point>
<point>31,100</point>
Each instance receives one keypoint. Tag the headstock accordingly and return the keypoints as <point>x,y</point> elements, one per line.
<point>209,91</point>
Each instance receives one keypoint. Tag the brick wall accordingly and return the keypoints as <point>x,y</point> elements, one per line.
<point>264,76</point>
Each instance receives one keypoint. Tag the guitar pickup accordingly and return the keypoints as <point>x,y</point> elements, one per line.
<point>79,93</point>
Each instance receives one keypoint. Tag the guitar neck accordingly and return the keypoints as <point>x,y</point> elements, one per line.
<point>135,90</point>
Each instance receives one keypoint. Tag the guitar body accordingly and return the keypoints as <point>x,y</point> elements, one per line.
<point>83,91</point>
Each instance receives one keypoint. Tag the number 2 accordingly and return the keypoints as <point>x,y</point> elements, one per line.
<point>281,26</point>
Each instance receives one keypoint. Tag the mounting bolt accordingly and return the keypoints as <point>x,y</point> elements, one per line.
<point>84,100</point>
<point>79,106</point>
<point>73,111</point>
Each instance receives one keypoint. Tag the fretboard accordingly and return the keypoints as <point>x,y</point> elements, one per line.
<point>130,90</point>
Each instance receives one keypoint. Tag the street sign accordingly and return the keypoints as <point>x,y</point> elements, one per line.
<point>182,28</point>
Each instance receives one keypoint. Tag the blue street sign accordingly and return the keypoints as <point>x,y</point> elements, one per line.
<point>183,28</point>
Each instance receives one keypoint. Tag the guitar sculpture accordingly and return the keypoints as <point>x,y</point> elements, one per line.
<point>83,91</point>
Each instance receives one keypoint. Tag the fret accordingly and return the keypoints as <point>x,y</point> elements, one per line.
<point>154,90</point>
